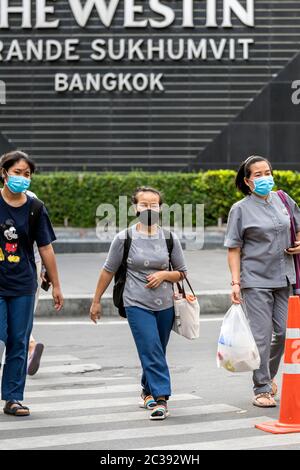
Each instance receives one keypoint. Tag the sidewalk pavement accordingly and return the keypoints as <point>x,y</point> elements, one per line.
<point>84,240</point>
<point>207,269</point>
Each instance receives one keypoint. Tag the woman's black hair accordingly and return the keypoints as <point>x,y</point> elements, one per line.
<point>143,189</point>
<point>245,172</point>
<point>11,158</point>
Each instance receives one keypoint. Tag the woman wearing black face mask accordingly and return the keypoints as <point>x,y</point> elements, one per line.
<point>148,295</point>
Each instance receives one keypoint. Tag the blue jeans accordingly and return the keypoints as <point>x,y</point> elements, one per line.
<point>16,319</point>
<point>151,332</point>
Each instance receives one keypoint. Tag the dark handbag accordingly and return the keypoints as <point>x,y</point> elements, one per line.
<point>284,199</point>
<point>46,282</point>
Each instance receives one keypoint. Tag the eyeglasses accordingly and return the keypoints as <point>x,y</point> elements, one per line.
<point>144,206</point>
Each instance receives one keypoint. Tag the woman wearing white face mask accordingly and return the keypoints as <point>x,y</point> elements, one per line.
<point>148,294</point>
<point>18,278</point>
<point>260,259</point>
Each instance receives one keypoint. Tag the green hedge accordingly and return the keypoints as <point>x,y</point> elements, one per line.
<point>74,197</point>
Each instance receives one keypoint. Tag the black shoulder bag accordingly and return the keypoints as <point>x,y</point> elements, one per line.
<point>120,276</point>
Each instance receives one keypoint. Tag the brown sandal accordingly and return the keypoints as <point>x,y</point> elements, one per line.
<point>265,396</point>
<point>15,408</point>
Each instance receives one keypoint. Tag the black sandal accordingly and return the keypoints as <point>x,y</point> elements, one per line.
<point>13,407</point>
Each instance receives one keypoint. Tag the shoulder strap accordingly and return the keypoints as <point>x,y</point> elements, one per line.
<point>127,245</point>
<point>285,201</point>
<point>34,214</point>
<point>170,243</point>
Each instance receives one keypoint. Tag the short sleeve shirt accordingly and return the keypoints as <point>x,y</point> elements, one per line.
<point>147,254</point>
<point>262,229</point>
<point>17,263</point>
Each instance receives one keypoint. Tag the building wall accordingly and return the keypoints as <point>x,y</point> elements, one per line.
<point>180,128</point>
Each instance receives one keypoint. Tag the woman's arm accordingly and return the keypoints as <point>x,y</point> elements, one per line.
<point>157,278</point>
<point>49,261</point>
<point>175,276</point>
<point>234,261</point>
<point>104,280</point>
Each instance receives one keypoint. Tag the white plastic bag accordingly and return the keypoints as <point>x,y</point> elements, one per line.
<point>237,350</point>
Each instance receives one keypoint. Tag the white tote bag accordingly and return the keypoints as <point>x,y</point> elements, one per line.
<point>237,350</point>
<point>187,313</point>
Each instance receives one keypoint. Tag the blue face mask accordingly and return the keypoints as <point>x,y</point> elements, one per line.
<point>17,184</point>
<point>264,185</point>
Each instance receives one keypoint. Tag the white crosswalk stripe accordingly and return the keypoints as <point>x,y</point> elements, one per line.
<point>111,418</point>
<point>83,391</point>
<point>159,430</point>
<point>84,404</point>
<point>37,381</point>
<point>60,358</point>
<point>60,419</point>
<point>71,369</point>
<point>247,443</point>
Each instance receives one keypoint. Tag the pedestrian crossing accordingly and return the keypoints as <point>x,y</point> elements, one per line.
<point>101,412</point>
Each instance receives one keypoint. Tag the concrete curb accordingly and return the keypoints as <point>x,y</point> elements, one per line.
<point>211,302</point>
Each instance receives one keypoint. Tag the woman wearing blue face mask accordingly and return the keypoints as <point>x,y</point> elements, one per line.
<point>258,235</point>
<point>18,278</point>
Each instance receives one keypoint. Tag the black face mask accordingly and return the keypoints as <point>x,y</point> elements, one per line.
<point>148,217</point>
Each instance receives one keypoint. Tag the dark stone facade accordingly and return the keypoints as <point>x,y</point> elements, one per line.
<point>212,114</point>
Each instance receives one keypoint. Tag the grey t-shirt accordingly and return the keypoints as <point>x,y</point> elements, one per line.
<point>147,255</point>
<point>261,228</point>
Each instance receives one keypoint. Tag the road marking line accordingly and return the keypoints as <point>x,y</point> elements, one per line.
<point>96,403</point>
<point>155,431</point>
<point>60,358</point>
<point>40,381</point>
<point>71,368</point>
<point>113,417</point>
<point>83,391</point>
<point>245,443</point>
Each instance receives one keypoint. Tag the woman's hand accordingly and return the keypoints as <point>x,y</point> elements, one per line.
<point>95,312</point>
<point>156,279</point>
<point>236,294</point>
<point>58,298</point>
<point>44,278</point>
<point>294,251</point>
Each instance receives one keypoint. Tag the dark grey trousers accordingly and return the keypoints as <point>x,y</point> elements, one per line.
<point>266,310</point>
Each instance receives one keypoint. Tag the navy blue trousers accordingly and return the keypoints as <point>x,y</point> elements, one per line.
<point>151,332</point>
<point>16,319</point>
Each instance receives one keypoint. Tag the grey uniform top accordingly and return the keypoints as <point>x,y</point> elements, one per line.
<point>261,228</point>
<point>147,255</point>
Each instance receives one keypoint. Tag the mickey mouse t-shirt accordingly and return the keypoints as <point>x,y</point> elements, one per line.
<point>17,264</point>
